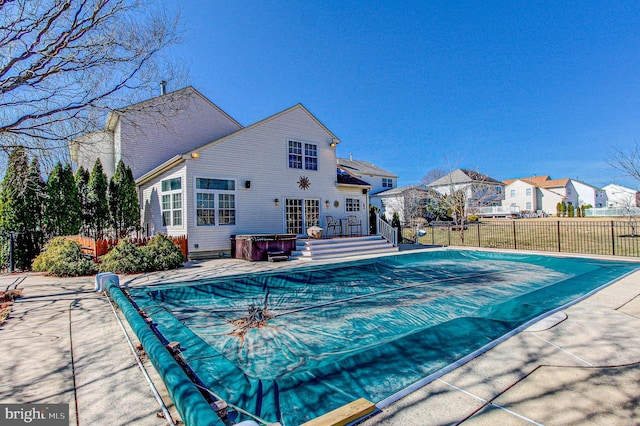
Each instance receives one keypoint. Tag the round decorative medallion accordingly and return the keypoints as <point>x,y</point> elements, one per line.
<point>304,183</point>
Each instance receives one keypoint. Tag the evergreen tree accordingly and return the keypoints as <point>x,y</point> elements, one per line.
<point>570,210</point>
<point>35,198</point>
<point>21,196</point>
<point>395,221</point>
<point>62,209</point>
<point>124,209</point>
<point>82,185</point>
<point>97,200</point>
<point>13,212</point>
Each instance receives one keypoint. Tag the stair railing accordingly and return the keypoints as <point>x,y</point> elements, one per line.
<point>387,231</point>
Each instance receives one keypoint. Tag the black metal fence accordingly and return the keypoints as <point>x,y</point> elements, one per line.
<point>607,237</point>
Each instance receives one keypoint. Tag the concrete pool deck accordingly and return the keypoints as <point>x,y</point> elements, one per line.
<point>62,344</point>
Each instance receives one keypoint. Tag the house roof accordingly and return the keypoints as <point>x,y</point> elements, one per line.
<point>364,168</point>
<point>400,190</point>
<point>542,181</point>
<point>345,178</point>
<point>461,176</point>
<point>170,99</point>
<point>181,157</point>
<point>258,123</point>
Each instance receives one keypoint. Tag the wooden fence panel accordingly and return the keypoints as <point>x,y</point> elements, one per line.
<point>100,247</point>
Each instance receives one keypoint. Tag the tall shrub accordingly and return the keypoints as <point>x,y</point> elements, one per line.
<point>395,222</point>
<point>34,200</point>
<point>20,208</point>
<point>161,254</point>
<point>82,186</point>
<point>62,209</point>
<point>98,207</point>
<point>63,258</point>
<point>124,209</point>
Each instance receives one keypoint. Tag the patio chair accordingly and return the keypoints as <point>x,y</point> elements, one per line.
<point>333,224</point>
<point>354,223</point>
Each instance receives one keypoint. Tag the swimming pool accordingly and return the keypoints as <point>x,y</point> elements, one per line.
<point>290,346</point>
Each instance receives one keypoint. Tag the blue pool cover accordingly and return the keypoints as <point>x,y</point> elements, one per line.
<point>331,334</point>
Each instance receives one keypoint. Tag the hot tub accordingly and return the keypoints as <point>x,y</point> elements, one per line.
<point>256,247</point>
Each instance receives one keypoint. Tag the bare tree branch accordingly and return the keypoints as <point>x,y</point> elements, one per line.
<point>627,162</point>
<point>65,63</point>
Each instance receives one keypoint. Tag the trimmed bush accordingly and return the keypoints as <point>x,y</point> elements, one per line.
<point>125,258</point>
<point>162,254</point>
<point>473,218</point>
<point>63,258</point>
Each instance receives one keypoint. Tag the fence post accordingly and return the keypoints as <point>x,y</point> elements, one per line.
<point>478,227</point>
<point>613,238</point>
<point>433,235</point>
<point>559,247</point>
<point>515,242</point>
<point>449,233</point>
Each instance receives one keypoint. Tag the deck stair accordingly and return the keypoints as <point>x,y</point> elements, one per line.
<point>312,249</point>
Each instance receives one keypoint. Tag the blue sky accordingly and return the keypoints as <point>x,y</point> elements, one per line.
<point>510,89</point>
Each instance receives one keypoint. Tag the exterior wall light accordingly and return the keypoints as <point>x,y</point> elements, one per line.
<point>333,143</point>
<point>327,203</point>
<point>195,155</point>
<point>277,202</point>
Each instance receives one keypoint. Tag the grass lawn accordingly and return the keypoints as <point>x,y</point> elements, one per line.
<point>615,236</point>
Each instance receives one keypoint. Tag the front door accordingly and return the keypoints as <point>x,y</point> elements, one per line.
<point>301,214</point>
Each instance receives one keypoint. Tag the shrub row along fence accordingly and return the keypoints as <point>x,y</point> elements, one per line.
<point>99,247</point>
<point>618,238</point>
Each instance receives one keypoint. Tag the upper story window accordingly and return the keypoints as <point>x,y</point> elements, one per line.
<point>513,193</point>
<point>568,191</point>
<point>528,191</point>
<point>215,202</point>
<point>387,183</point>
<point>498,189</point>
<point>303,155</point>
<point>171,202</point>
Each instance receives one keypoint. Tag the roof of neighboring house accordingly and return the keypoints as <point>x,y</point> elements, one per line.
<point>615,187</point>
<point>400,190</point>
<point>364,168</point>
<point>460,176</point>
<point>542,181</point>
<point>346,178</point>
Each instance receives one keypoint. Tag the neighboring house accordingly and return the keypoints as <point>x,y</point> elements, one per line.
<point>380,179</point>
<point>619,196</point>
<point>589,195</point>
<point>408,201</point>
<point>278,175</point>
<point>542,194</point>
<point>480,190</point>
<point>529,198</point>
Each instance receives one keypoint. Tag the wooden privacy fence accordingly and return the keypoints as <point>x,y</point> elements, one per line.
<point>606,237</point>
<point>99,247</point>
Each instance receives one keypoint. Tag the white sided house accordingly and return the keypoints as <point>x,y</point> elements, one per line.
<point>589,194</point>
<point>379,178</point>
<point>149,133</point>
<point>620,196</point>
<point>480,190</point>
<point>530,199</point>
<point>541,194</point>
<point>408,201</point>
<point>276,176</point>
